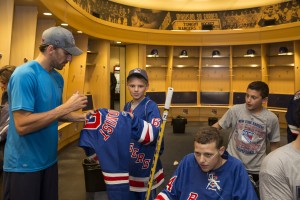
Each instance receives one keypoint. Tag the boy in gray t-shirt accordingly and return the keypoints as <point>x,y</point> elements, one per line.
<point>252,126</point>
<point>279,173</point>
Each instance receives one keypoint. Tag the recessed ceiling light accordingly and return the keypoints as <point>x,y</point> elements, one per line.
<point>64,24</point>
<point>47,13</point>
<point>118,42</point>
<point>200,30</point>
<point>79,31</point>
<point>179,30</point>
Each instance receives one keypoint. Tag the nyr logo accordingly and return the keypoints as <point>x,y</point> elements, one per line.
<point>213,183</point>
<point>247,136</point>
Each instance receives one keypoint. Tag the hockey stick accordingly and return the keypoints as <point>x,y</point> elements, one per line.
<point>159,141</point>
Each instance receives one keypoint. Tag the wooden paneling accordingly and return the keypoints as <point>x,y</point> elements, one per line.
<point>185,79</point>
<point>281,80</point>
<point>242,76</point>
<point>23,34</point>
<point>134,54</point>
<point>42,24</point>
<point>6,16</point>
<point>157,78</point>
<point>97,78</point>
<point>297,65</point>
<point>68,132</point>
<point>215,79</point>
<point>76,70</point>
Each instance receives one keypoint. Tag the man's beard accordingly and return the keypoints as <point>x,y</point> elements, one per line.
<point>55,65</point>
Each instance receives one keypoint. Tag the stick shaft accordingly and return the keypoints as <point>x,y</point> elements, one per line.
<point>159,141</point>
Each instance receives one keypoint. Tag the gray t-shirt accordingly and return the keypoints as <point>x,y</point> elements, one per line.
<point>250,133</point>
<point>279,177</point>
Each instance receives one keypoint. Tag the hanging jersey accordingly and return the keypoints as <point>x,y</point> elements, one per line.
<point>108,133</point>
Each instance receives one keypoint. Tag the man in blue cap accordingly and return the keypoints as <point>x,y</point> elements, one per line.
<point>35,107</point>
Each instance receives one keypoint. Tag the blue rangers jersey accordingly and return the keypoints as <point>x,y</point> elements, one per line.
<point>145,130</point>
<point>108,133</point>
<point>230,181</point>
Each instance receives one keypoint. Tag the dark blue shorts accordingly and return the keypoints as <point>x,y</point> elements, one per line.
<point>40,185</point>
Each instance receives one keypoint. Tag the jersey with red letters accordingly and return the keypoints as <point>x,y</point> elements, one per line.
<point>108,133</point>
<point>145,130</point>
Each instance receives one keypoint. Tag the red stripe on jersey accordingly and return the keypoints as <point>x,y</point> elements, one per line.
<point>136,183</point>
<point>160,177</point>
<point>159,197</point>
<point>118,178</point>
<point>141,184</point>
<point>147,137</point>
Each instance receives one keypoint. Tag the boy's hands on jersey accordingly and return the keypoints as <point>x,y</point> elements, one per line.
<point>131,115</point>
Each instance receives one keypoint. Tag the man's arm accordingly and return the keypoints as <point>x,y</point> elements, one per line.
<point>76,116</point>
<point>173,189</point>
<point>226,120</point>
<point>28,122</point>
<point>217,125</point>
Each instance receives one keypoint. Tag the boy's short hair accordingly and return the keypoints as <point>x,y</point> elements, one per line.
<point>139,73</point>
<point>207,135</point>
<point>6,72</point>
<point>260,86</point>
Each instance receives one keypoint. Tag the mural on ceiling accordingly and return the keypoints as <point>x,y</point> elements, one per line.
<point>282,13</point>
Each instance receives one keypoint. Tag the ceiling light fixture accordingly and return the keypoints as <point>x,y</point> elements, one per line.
<point>178,30</point>
<point>199,30</point>
<point>47,13</point>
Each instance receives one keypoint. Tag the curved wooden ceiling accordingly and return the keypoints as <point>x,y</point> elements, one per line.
<point>114,32</point>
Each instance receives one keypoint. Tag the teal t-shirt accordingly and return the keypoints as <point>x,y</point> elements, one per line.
<point>32,88</point>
